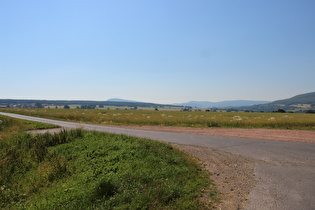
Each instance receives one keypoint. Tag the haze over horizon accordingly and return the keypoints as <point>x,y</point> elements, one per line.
<point>157,51</point>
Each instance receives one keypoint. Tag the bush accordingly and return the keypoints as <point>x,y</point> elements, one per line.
<point>280,111</point>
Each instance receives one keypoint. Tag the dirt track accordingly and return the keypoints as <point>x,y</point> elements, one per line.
<point>301,136</point>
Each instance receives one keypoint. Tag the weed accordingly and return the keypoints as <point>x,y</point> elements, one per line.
<point>213,124</point>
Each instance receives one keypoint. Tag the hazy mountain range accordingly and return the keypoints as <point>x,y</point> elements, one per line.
<point>122,100</point>
<point>298,103</point>
<point>208,104</point>
<point>205,104</point>
<point>306,98</point>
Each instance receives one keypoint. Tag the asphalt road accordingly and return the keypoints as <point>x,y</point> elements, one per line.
<point>285,174</point>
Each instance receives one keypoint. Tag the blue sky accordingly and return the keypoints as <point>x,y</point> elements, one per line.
<point>162,51</point>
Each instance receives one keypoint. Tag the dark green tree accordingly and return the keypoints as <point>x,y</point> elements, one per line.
<point>38,104</point>
<point>280,111</point>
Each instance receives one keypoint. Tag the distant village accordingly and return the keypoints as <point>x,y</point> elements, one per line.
<point>24,105</point>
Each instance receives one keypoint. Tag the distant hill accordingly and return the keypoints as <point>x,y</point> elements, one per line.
<point>208,104</point>
<point>307,98</point>
<point>299,103</point>
<point>121,100</point>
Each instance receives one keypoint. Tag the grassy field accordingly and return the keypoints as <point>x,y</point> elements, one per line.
<point>77,169</point>
<point>176,118</point>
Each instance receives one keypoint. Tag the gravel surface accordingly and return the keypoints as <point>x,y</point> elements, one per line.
<point>233,174</point>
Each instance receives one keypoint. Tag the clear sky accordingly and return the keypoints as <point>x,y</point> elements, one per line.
<point>161,51</point>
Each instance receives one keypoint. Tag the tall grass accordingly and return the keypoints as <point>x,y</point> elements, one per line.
<point>27,165</point>
<point>178,118</point>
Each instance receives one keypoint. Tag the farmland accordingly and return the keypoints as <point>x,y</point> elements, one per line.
<point>176,118</point>
<point>78,169</point>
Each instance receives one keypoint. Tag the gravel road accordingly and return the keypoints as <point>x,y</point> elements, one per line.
<point>251,174</point>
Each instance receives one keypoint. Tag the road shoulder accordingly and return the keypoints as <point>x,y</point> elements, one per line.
<point>233,174</point>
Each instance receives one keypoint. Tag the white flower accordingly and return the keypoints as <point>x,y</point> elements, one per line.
<point>237,117</point>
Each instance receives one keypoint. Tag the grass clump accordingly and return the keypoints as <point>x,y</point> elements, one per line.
<point>91,170</point>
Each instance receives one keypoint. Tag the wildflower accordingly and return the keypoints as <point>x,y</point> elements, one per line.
<point>237,117</point>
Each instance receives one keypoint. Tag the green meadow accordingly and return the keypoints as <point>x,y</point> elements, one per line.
<point>176,118</point>
<point>89,170</point>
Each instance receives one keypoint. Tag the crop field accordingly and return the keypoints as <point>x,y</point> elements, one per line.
<point>176,118</point>
<point>77,169</point>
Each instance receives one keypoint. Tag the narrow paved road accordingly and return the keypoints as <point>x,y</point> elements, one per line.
<point>285,174</point>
